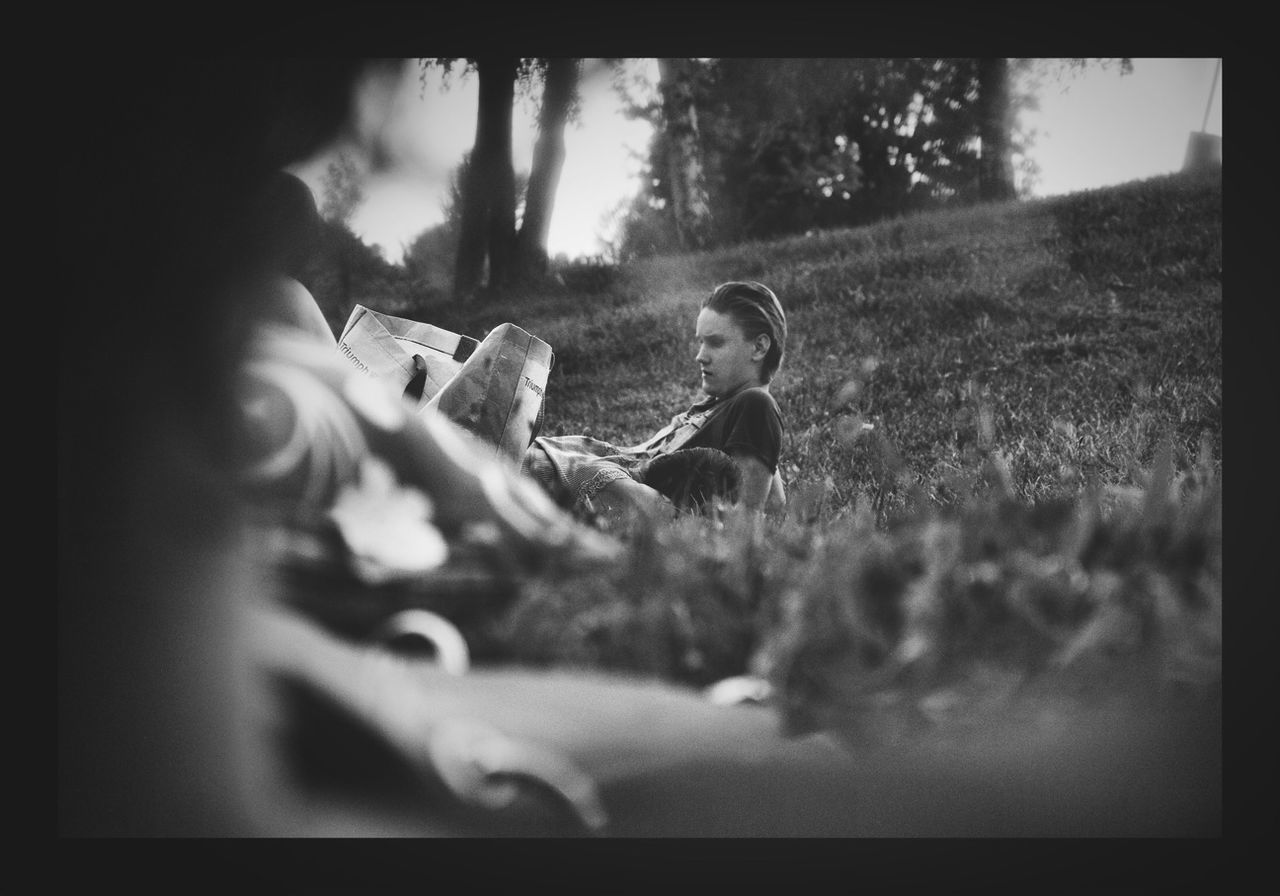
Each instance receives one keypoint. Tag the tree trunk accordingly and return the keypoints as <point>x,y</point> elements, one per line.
<point>683,167</point>
<point>548,161</point>
<point>995,129</point>
<point>487,227</point>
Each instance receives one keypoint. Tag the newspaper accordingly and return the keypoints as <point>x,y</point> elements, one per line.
<point>495,388</point>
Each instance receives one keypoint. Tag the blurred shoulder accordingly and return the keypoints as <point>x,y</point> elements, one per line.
<point>286,300</point>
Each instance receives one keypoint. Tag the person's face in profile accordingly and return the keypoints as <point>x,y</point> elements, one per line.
<point>727,358</point>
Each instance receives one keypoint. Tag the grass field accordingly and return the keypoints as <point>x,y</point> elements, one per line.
<point>1038,505</point>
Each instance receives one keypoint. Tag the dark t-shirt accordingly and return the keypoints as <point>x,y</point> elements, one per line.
<point>747,423</point>
<point>574,468</point>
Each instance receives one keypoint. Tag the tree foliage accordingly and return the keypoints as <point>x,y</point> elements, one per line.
<point>792,145</point>
<point>341,190</point>
<point>880,137</point>
<point>347,271</point>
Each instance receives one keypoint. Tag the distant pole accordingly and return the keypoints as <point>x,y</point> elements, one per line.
<point>1204,150</point>
<point>1217,68</point>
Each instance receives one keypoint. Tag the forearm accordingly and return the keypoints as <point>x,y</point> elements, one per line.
<point>621,499</point>
<point>754,483</point>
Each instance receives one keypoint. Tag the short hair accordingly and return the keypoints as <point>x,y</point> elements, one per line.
<point>755,309</point>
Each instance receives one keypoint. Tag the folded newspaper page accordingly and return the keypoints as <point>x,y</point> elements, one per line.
<point>385,347</point>
<point>498,396</point>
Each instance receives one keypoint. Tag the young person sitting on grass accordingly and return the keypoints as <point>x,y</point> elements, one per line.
<point>724,448</point>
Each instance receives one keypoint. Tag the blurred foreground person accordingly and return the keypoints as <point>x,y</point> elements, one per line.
<point>205,432</point>
<point>156,189</point>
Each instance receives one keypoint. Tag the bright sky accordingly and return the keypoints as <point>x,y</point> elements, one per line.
<point>1093,129</point>
<point>1101,128</point>
<point>432,128</point>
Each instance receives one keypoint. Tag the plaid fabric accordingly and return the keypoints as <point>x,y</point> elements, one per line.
<point>573,469</point>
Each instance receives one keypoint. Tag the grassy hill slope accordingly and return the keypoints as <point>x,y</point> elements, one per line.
<point>1071,335</point>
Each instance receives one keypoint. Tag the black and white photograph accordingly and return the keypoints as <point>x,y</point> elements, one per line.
<point>737,447</point>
